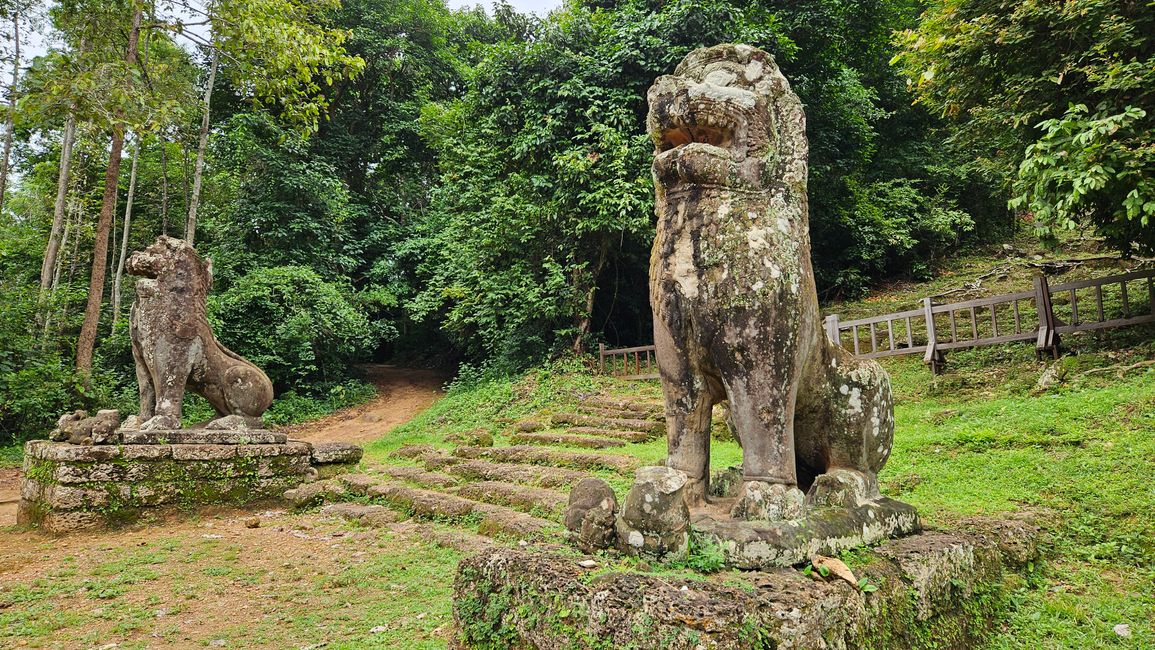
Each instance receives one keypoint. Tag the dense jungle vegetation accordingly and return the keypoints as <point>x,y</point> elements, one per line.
<point>392,179</point>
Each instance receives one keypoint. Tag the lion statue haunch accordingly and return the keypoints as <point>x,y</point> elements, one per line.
<point>174,347</point>
<point>735,308</point>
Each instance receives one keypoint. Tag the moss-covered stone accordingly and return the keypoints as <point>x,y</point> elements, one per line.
<point>931,590</point>
<point>69,487</point>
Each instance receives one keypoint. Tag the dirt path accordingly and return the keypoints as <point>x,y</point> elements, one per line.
<point>401,394</point>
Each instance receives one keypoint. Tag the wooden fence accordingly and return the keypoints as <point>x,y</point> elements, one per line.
<point>1042,314</point>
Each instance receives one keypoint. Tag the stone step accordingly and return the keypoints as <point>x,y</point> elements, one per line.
<point>416,451</point>
<point>421,477</point>
<point>532,455</point>
<point>617,414</point>
<point>566,440</point>
<point>378,516</point>
<point>368,514</point>
<point>495,520</point>
<point>519,497</point>
<point>628,436</point>
<point>540,475</point>
<point>641,407</point>
<point>577,419</point>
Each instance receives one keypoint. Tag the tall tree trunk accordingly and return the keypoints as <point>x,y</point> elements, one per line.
<point>190,228</point>
<point>11,123</point>
<point>62,181</point>
<point>163,186</point>
<point>87,341</point>
<point>59,265</point>
<point>62,184</point>
<point>124,237</point>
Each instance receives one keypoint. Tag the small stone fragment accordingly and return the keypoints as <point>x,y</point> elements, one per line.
<point>587,564</point>
<point>253,522</point>
<point>1123,630</point>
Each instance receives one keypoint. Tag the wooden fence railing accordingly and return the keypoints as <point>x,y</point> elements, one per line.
<point>628,363</point>
<point>1042,314</point>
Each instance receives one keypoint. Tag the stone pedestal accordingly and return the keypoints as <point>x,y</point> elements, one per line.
<point>940,589</point>
<point>68,487</point>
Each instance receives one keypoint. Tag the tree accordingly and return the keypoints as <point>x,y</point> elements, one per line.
<point>87,340</point>
<point>544,201</point>
<point>281,50</point>
<point>15,15</point>
<point>1058,99</point>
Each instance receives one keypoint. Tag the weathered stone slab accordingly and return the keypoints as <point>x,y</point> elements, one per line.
<point>67,487</point>
<point>203,452</point>
<point>937,589</point>
<point>336,452</point>
<point>203,437</point>
<point>825,531</point>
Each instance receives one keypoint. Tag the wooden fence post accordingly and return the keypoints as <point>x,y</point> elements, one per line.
<point>601,358</point>
<point>933,357</point>
<point>831,323</point>
<point>1048,339</point>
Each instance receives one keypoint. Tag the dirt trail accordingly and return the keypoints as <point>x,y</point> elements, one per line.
<point>401,394</point>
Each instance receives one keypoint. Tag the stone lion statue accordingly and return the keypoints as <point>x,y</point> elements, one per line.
<point>174,347</point>
<point>732,290</point>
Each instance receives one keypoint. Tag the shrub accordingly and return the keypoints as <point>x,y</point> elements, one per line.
<point>295,325</point>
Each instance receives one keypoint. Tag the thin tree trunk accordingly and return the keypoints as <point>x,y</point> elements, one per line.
<point>86,343</point>
<point>62,181</point>
<point>124,240</point>
<point>11,123</point>
<point>62,184</point>
<point>163,186</point>
<point>184,176</point>
<point>47,307</point>
<point>190,228</point>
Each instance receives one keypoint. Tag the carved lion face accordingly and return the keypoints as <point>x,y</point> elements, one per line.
<point>172,262</point>
<point>712,121</point>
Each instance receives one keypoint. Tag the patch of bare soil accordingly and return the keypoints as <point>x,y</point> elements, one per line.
<point>218,578</point>
<point>401,394</point>
<point>9,495</point>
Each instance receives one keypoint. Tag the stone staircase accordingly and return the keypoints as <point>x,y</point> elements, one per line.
<point>516,491</point>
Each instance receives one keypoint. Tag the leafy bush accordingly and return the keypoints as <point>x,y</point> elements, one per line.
<point>292,407</point>
<point>296,326</point>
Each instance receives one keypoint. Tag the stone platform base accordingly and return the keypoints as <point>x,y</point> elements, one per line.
<point>68,487</point>
<point>944,590</point>
<point>825,531</point>
<point>202,437</point>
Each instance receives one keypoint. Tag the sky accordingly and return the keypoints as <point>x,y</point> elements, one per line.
<point>539,7</point>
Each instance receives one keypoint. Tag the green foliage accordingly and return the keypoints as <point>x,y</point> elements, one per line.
<point>1005,72</point>
<point>290,407</point>
<point>545,183</point>
<point>283,53</point>
<point>1098,165</point>
<point>295,325</point>
<point>276,206</point>
<point>704,555</point>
